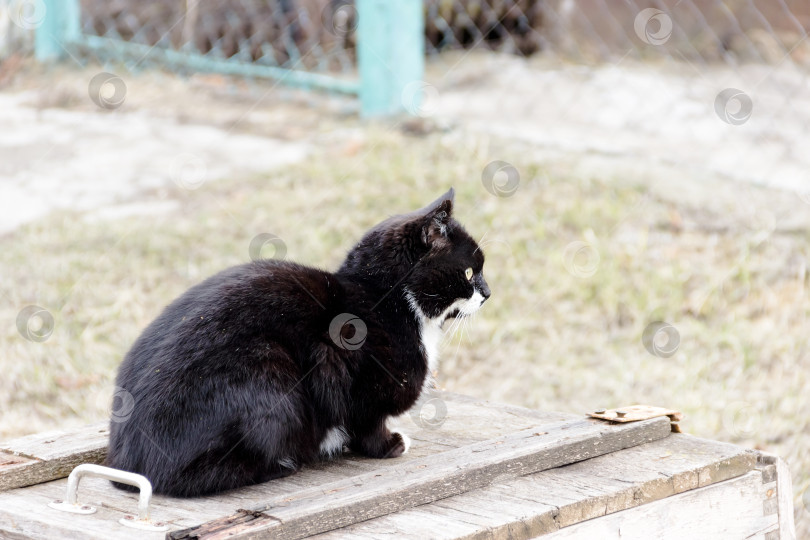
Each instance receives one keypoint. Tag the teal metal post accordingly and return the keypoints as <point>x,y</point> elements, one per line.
<point>59,27</point>
<point>390,55</point>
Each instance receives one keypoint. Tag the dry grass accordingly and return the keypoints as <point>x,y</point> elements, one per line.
<point>705,258</point>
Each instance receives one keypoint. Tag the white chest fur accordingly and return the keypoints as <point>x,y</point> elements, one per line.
<point>430,328</point>
<point>430,332</point>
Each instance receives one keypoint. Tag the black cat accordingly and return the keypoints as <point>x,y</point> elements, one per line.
<point>270,365</point>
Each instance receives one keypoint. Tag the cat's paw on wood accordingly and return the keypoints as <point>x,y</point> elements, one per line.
<point>400,444</point>
<point>382,444</point>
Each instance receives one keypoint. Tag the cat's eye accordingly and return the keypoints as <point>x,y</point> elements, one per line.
<point>468,273</point>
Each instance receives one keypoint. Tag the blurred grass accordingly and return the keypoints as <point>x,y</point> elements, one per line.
<point>733,286</point>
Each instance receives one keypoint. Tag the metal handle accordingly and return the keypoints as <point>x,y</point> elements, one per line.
<point>71,502</point>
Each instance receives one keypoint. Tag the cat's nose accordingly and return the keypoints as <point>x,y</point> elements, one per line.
<point>485,292</point>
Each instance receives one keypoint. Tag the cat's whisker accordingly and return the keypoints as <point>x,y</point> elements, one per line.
<point>459,325</point>
<point>458,345</point>
<point>463,322</point>
<point>453,327</point>
<point>481,241</point>
<point>463,330</point>
<point>450,332</point>
<point>469,323</point>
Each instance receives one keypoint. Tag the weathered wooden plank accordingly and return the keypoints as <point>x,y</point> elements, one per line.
<point>545,501</point>
<point>500,410</point>
<point>466,420</point>
<point>727,510</point>
<point>425,480</point>
<point>782,484</point>
<point>47,456</point>
<point>438,521</point>
<point>56,444</point>
<point>515,508</point>
<point>27,516</point>
<point>513,512</point>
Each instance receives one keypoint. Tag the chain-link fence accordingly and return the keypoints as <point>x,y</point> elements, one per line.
<point>728,31</point>
<point>320,34</point>
<point>301,34</point>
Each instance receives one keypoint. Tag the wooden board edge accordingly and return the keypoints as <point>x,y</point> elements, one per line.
<point>275,522</point>
<point>775,472</point>
<point>32,445</point>
<point>38,465</point>
<point>38,471</point>
<point>51,455</point>
<point>527,510</point>
<point>736,510</point>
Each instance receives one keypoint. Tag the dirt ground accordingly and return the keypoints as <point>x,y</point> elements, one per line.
<point>634,202</point>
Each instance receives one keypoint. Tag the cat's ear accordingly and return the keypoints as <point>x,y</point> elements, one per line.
<point>435,218</point>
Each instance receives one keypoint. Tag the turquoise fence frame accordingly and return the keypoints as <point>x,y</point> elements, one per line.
<point>390,54</point>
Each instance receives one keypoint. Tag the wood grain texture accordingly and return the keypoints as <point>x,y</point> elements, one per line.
<point>28,516</point>
<point>479,473</point>
<point>544,502</point>
<point>729,510</point>
<point>776,476</point>
<point>48,456</point>
<point>467,421</point>
<point>435,477</point>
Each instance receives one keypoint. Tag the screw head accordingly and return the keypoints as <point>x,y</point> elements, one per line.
<point>600,411</point>
<point>85,507</point>
<point>129,517</point>
<point>620,414</point>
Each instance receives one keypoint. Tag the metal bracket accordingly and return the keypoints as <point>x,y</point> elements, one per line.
<point>71,502</point>
<point>634,413</point>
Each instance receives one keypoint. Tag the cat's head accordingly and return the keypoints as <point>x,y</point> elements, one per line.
<point>428,257</point>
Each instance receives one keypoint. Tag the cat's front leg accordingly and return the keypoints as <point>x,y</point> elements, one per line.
<point>380,442</point>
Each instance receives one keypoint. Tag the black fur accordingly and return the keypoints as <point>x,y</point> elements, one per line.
<point>241,373</point>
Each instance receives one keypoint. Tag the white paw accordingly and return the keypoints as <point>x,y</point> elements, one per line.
<point>405,439</point>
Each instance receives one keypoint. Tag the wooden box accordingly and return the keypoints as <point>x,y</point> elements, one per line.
<point>475,470</point>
